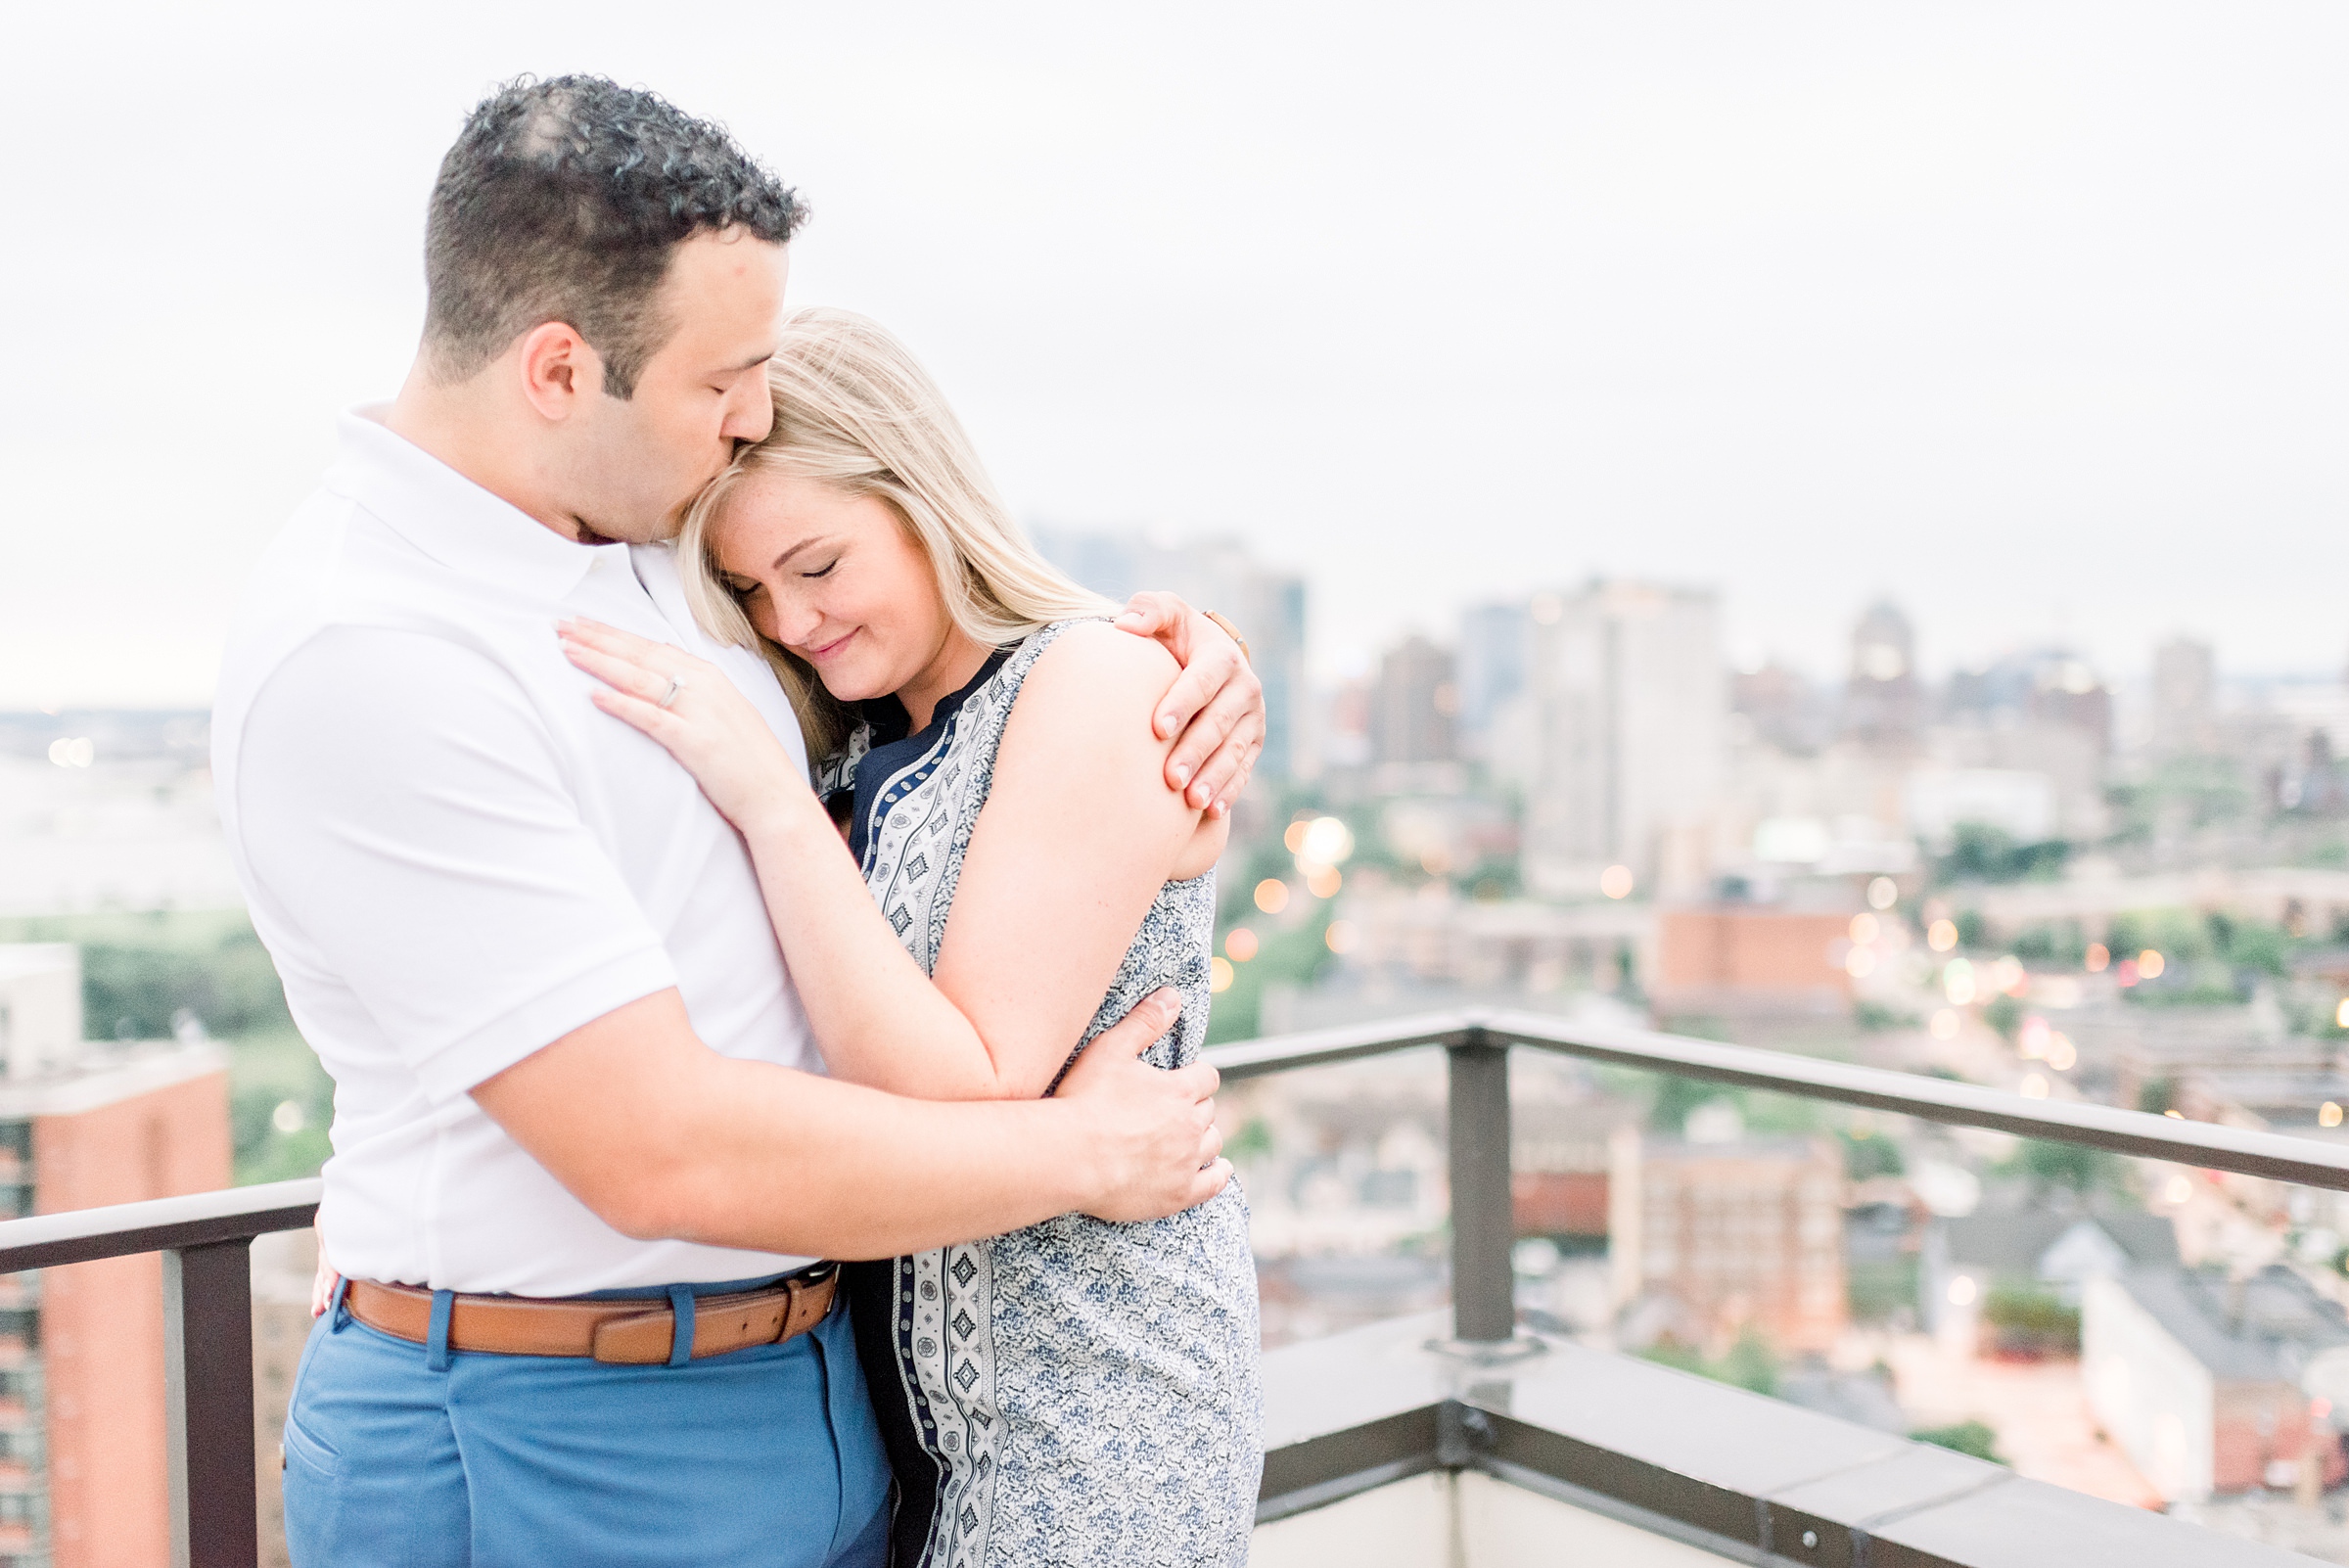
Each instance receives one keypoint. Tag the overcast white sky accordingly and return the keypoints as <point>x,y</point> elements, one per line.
<point>2034,316</point>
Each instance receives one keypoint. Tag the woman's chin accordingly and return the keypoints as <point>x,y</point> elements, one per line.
<point>852,686</point>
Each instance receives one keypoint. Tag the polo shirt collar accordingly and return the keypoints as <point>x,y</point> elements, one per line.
<point>450,518</point>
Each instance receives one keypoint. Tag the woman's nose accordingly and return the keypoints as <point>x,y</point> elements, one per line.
<point>797,627</point>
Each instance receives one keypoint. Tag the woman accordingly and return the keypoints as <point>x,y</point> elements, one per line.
<point>1078,1392</point>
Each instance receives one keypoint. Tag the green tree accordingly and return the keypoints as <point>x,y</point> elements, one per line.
<point>1869,1154</point>
<point>1967,1437</point>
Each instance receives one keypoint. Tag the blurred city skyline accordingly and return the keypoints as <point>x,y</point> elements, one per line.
<point>2030,320</point>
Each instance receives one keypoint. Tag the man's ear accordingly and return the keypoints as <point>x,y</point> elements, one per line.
<point>558,369</point>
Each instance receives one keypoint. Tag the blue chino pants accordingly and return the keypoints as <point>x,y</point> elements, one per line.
<point>412,1456</point>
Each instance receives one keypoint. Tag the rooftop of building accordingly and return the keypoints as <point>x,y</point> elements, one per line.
<point>2262,1328</point>
<point>2015,1241</point>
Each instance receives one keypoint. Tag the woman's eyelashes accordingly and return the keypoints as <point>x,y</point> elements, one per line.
<point>823,570</point>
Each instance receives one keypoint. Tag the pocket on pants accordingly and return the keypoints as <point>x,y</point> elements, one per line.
<point>313,1496</point>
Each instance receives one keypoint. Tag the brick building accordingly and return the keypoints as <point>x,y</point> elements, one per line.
<point>83,1477</point>
<point>1748,959</point>
<point>1745,1232</point>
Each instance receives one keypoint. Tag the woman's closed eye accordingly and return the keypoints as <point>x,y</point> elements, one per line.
<point>823,570</point>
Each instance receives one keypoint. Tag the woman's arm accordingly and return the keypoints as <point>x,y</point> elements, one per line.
<point>1077,838</point>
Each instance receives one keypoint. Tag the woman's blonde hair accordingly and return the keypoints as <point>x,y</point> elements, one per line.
<point>854,410</point>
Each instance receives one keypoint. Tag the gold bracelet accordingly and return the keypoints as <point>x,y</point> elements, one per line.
<point>1234,632</point>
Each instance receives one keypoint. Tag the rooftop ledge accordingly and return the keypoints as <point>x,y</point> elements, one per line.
<point>1383,1447</point>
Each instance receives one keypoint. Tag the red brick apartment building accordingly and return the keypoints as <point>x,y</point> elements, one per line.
<point>1744,959</point>
<point>83,1481</point>
<point>1745,1232</point>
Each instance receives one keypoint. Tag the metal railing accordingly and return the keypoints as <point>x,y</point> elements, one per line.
<point>1477,1045</point>
<point>206,1239</point>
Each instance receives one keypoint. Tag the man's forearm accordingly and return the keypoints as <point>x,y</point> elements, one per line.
<point>787,1161</point>
<point>662,1137</point>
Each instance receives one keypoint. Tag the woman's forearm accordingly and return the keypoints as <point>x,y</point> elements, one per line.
<point>877,1018</point>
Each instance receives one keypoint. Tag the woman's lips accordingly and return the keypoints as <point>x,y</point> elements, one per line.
<point>820,652</point>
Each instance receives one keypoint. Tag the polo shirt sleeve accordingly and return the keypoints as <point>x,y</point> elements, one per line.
<point>404,806</point>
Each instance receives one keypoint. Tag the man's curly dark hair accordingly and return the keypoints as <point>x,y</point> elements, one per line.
<point>562,201</point>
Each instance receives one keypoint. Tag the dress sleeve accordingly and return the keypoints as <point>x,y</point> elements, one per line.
<point>404,806</point>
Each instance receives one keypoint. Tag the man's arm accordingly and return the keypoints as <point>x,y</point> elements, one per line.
<point>1216,704</point>
<point>662,1137</point>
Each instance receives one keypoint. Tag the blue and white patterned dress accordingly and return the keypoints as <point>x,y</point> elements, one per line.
<point>1077,1392</point>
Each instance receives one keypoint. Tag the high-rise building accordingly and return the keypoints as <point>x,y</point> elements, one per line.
<point>2067,696</point>
<point>83,1476</point>
<point>1495,658</point>
<point>1219,574</point>
<point>1883,703</point>
<point>2186,697</point>
<point>1631,713</point>
<point>1781,709</point>
<point>1416,703</point>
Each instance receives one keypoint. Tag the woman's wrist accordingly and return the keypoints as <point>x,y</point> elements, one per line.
<point>781,814</point>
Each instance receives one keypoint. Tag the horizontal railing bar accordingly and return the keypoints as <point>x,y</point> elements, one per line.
<point>122,1230</point>
<point>2205,1144</point>
<point>1282,1053</point>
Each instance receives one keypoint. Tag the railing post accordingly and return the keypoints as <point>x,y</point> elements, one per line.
<point>1484,1302</point>
<point>208,1378</point>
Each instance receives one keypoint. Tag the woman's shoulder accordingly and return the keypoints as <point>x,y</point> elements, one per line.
<point>1087,665</point>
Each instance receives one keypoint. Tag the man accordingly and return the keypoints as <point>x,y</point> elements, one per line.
<point>586,1161</point>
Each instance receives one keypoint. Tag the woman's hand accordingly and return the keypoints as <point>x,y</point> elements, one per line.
<point>690,707</point>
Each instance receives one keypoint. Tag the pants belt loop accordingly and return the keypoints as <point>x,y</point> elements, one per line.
<point>336,1313</point>
<point>680,1307</point>
<point>436,1340</point>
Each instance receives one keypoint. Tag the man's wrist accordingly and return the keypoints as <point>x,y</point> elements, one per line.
<point>1088,1171</point>
<point>1231,631</point>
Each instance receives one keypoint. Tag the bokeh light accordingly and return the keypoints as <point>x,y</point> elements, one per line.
<point>1326,841</point>
<point>2151,965</point>
<point>1942,936</point>
<point>1218,975</point>
<point>1323,881</point>
<point>1240,944</point>
<point>1883,893</point>
<point>1340,937</point>
<point>1616,881</point>
<point>1271,896</point>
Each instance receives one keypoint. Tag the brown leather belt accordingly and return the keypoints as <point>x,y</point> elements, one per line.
<point>635,1333</point>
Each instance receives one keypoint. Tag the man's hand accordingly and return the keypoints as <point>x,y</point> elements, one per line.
<point>1217,703</point>
<point>1157,1150</point>
<point>324,1280</point>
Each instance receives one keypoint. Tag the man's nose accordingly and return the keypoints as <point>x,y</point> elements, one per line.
<point>750,411</point>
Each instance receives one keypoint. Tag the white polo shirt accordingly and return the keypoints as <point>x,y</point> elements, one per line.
<point>455,860</point>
